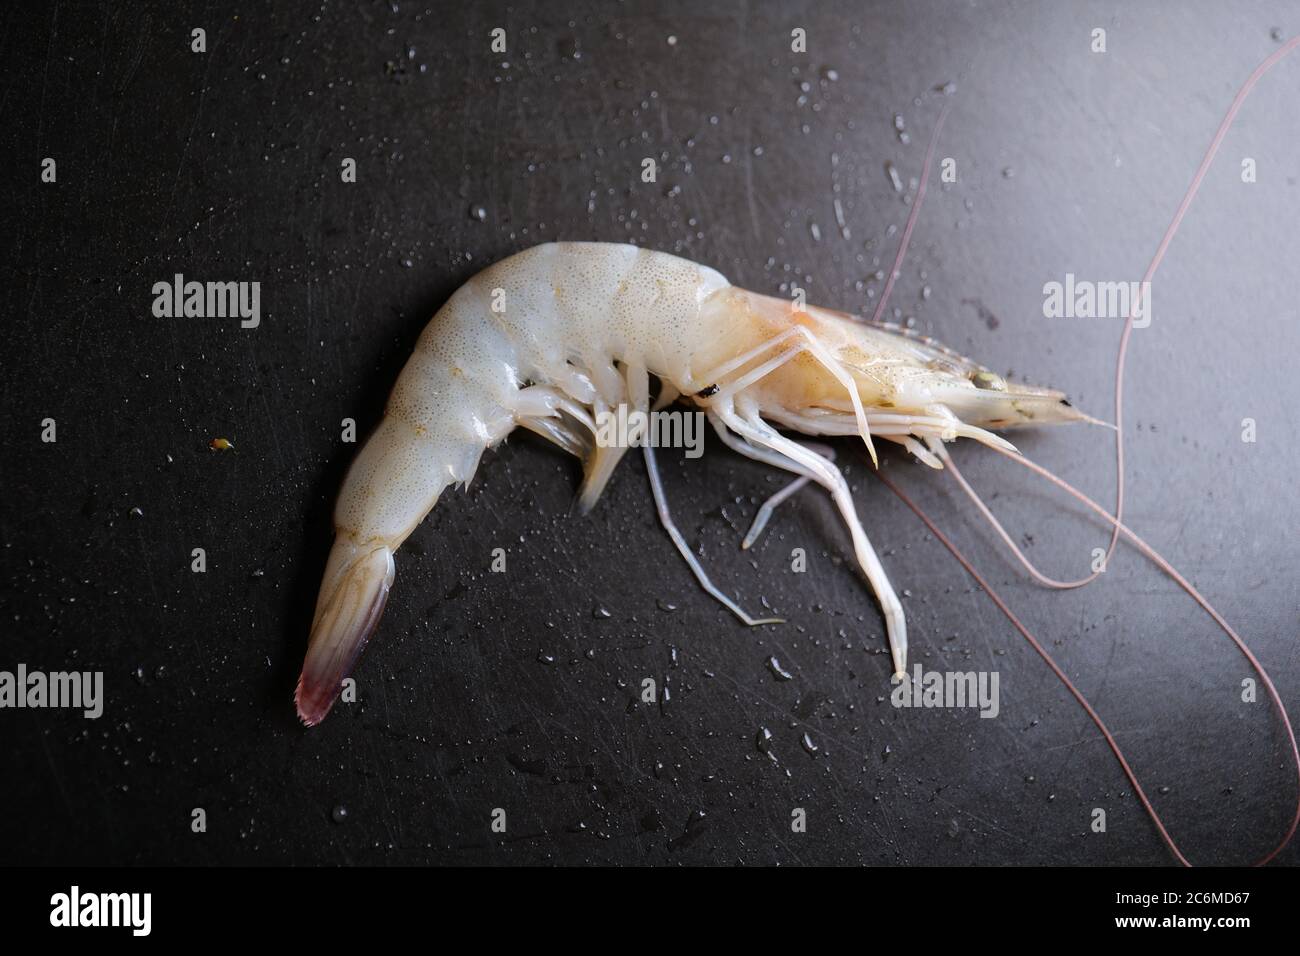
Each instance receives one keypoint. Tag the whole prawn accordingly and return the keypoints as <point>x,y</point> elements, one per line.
<point>556,336</point>
<point>551,338</point>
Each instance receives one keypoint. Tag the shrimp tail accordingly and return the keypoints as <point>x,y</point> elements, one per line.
<point>358,578</point>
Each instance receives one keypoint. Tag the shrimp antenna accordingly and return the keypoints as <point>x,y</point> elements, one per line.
<point>911,217</point>
<point>1267,64</point>
<point>1116,520</point>
<point>1182,582</point>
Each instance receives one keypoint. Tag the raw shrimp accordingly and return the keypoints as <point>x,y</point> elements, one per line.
<point>556,336</point>
<point>553,337</point>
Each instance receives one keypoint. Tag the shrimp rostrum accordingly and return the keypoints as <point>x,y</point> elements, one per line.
<point>555,336</point>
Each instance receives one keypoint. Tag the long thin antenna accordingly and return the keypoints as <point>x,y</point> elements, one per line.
<point>911,217</point>
<point>1116,520</point>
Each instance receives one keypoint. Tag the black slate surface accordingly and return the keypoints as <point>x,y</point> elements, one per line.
<point>512,691</point>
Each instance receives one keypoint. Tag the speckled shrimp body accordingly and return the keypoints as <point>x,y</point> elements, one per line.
<point>551,338</point>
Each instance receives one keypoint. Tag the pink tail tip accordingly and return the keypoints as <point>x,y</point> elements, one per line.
<point>352,600</point>
<point>313,702</point>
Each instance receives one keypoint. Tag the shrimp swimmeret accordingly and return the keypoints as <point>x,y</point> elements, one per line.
<point>556,336</point>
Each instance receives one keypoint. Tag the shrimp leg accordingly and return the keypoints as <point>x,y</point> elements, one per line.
<point>638,390</point>
<point>808,343</point>
<point>757,431</point>
<point>666,519</point>
<point>780,461</point>
<point>765,510</point>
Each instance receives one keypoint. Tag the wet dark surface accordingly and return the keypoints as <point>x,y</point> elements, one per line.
<point>521,690</point>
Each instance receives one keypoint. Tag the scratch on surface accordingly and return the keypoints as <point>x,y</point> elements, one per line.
<point>266,405</point>
<point>45,74</point>
<point>749,185</point>
<point>189,138</point>
<point>749,146</point>
<point>58,780</point>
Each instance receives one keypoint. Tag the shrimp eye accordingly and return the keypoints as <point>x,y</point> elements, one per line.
<point>707,392</point>
<point>988,380</point>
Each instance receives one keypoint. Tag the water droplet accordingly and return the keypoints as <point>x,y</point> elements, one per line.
<point>894,178</point>
<point>478,212</point>
<point>779,672</point>
<point>339,814</point>
<point>764,743</point>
